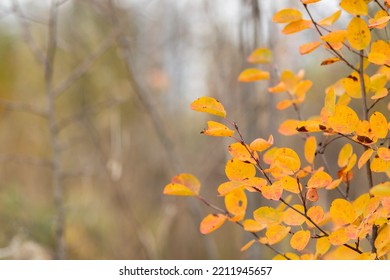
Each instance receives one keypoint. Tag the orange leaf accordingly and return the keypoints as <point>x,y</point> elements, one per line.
<point>379,22</point>
<point>312,194</point>
<point>365,157</point>
<point>292,218</point>
<point>262,55</point>
<point>355,7</point>
<point>247,245</point>
<point>310,149</point>
<point>284,104</point>
<point>183,185</point>
<point>267,216</point>
<point>287,15</point>
<point>288,127</point>
<point>300,239</point>
<point>252,75</point>
<point>378,125</point>
<point>320,179</point>
<point>328,21</point>
<point>276,233</point>
<point>359,36</point>
<point>384,153</point>
<point>342,212</point>
<point>273,192</point>
<point>380,93</point>
<point>261,145</point>
<point>337,36</point>
<point>334,184</point>
<point>344,155</point>
<point>237,170</point>
<point>252,225</point>
<point>310,1</point>
<point>286,161</point>
<point>235,203</point>
<point>209,105</point>
<point>338,237</point>
<point>243,153</point>
<point>230,186</point>
<point>379,165</point>
<point>316,214</point>
<point>217,129</point>
<point>212,222</point>
<point>309,47</point>
<point>330,61</point>
<point>296,26</point>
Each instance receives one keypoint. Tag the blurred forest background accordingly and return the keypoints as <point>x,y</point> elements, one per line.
<point>95,120</point>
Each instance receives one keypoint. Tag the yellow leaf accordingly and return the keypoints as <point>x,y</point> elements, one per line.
<point>365,157</point>
<point>267,216</point>
<point>355,7</point>
<point>322,246</point>
<point>255,184</point>
<point>237,170</point>
<point>382,189</point>
<point>309,126</point>
<point>330,61</point>
<point>273,192</point>
<point>337,36</point>
<point>236,203</point>
<point>212,222</point>
<point>360,204</point>
<point>217,129</point>
<point>301,89</point>
<point>286,161</point>
<point>371,207</point>
<point>300,239</point>
<point>310,1</point>
<point>209,105</point>
<point>252,225</point>
<point>262,55</point>
<point>284,104</point>
<point>320,179</point>
<point>328,21</point>
<point>330,101</point>
<point>334,184</point>
<point>261,144</point>
<point>344,155</point>
<point>276,233</point>
<point>296,26</point>
<point>292,218</point>
<point>383,238</point>
<point>379,53</point>
<point>342,212</point>
<point>310,149</point>
<point>384,153</point>
<point>290,184</point>
<point>378,124</point>
<point>252,75</point>
<point>230,186</point>
<point>287,15</point>
<point>344,119</point>
<point>316,214</point>
<point>379,165</point>
<point>269,155</point>
<point>351,85</point>
<point>379,21</point>
<point>359,36</point>
<point>247,245</point>
<point>383,92</point>
<point>183,185</point>
<point>341,253</point>
<point>309,47</point>
<point>243,152</point>
<point>366,256</point>
<point>288,127</point>
<point>338,237</point>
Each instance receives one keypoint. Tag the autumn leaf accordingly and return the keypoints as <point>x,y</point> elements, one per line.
<point>247,245</point>
<point>236,203</point>
<point>344,155</point>
<point>243,152</point>
<point>358,35</point>
<point>230,186</point>
<point>322,246</point>
<point>209,105</point>
<point>310,149</point>
<point>261,144</point>
<point>267,216</point>
<point>300,239</point>
<point>217,129</point>
<point>290,184</point>
<point>338,237</point>
<point>288,127</point>
<point>252,225</point>
<point>330,60</point>
<point>261,55</point>
<point>296,26</point>
<point>287,15</point>
<point>378,125</point>
<point>309,47</point>
<point>328,21</point>
<point>237,170</point>
<point>273,192</point>
<point>379,52</point>
<point>276,233</point>
<point>342,212</point>
<point>384,153</point>
<point>320,179</point>
<point>382,189</point>
<point>355,7</point>
<point>344,120</point>
<point>286,161</point>
<point>183,185</point>
<point>292,218</point>
<point>316,214</point>
<point>252,75</point>
<point>212,222</point>
<point>379,165</point>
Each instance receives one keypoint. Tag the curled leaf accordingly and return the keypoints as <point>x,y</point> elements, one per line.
<point>209,105</point>
<point>217,129</point>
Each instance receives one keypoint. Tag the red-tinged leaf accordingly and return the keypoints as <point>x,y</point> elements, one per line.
<point>344,120</point>
<point>252,75</point>
<point>342,212</point>
<point>230,186</point>
<point>296,26</point>
<point>312,194</point>
<point>276,233</point>
<point>320,179</point>
<point>372,206</point>
<point>287,15</point>
<point>384,153</point>
<point>378,125</point>
<point>344,155</point>
<point>269,155</point>
<point>267,216</point>
<point>209,105</point>
<point>273,192</point>
<point>217,129</point>
<point>328,21</point>
<point>322,246</point>
<point>355,7</point>
<point>338,237</point>
<point>310,149</point>
<point>379,22</point>
<point>237,170</point>
<point>334,184</point>
<point>300,239</point>
<point>309,47</point>
<point>247,245</point>
<point>288,127</point>
<point>316,214</point>
<point>292,218</point>
<point>243,152</point>
<point>365,157</point>
<point>284,104</point>
<point>262,55</point>
<point>379,165</point>
<point>261,144</point>
<point>290,184</point>
<point>236,203</point>
<point>359,36</point>
<point>253,226</point>
<point>212,222</point>
<point>330,61</point>
<point>183,185</point>
<point>382,189</point>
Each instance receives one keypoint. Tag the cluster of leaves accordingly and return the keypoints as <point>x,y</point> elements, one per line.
<point>356,227</point>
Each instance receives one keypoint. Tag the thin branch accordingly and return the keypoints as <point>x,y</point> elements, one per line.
<point>23,107</point>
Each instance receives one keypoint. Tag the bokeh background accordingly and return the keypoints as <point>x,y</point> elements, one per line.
<point>95,120</point>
